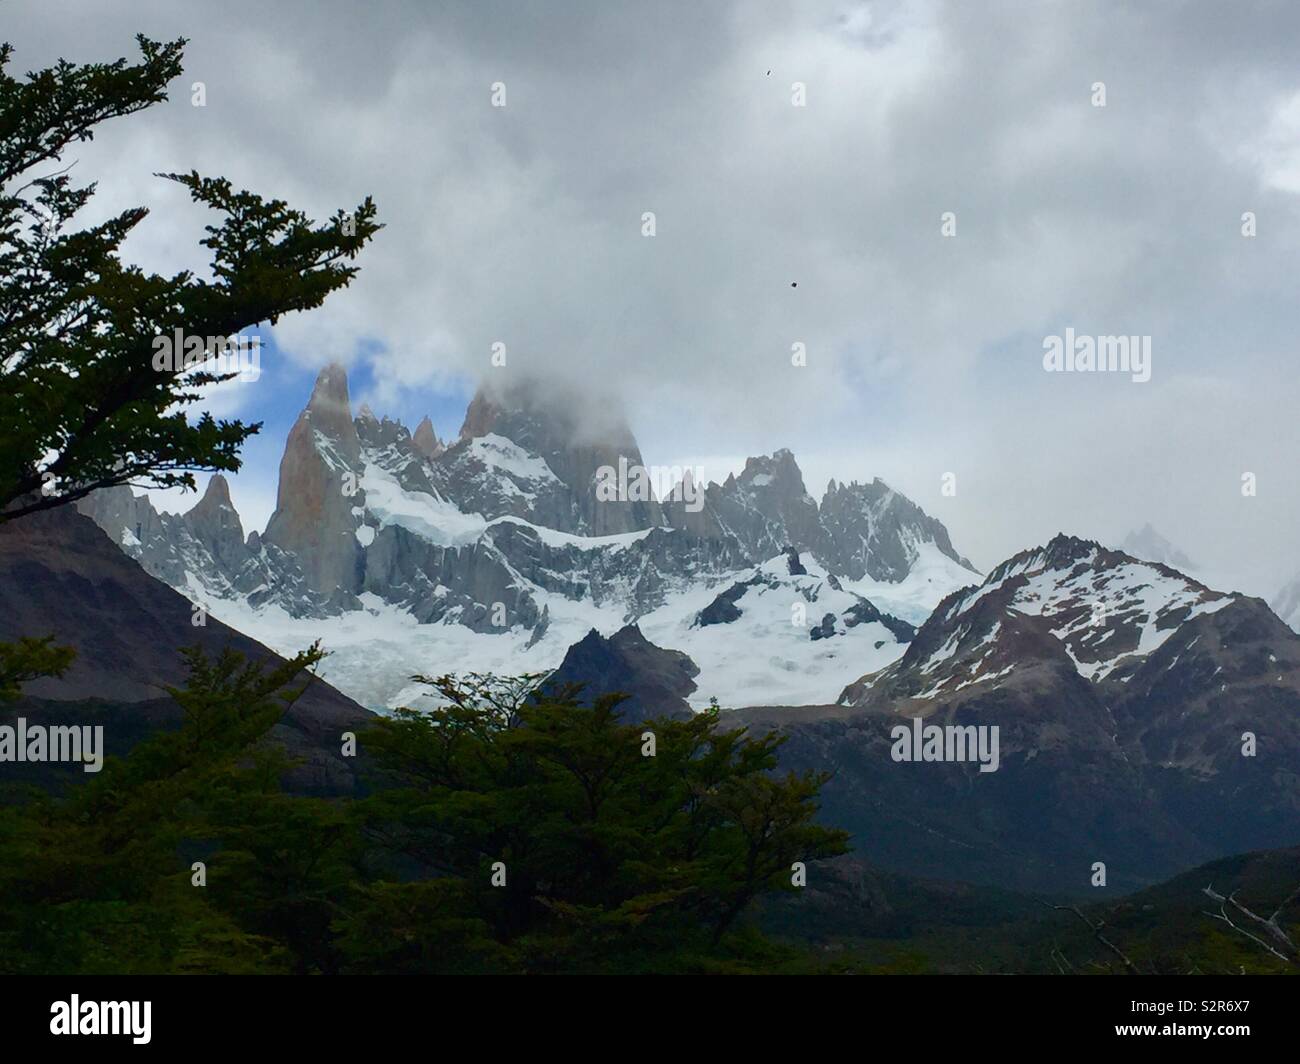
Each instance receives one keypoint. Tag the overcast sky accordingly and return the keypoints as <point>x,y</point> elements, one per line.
<point>523,224</point>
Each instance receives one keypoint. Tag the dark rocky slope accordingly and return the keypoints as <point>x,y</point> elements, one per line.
<point>60,575</point>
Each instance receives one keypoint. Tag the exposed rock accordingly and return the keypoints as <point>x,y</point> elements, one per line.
<point>865,612</point>
<point>488,531</point>
<point>426,440</point>
<point>1121,691</point>
<point>723,609</point>
<point>314,517</point>
<point>766,509</point>
<point>872,531</point>
<point>824,630</point>
<point>561,434</point>
<point>216,526</point>
<point>657,681</point>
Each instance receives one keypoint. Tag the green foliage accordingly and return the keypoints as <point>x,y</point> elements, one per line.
<point>100,881</point>
<point>611,858</point>
<point>82,403</point>
<point>29,659</point>
<point>614,861</point>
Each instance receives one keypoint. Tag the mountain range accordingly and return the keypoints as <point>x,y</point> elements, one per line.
<point>1146,721</point>
<point>498,550</point>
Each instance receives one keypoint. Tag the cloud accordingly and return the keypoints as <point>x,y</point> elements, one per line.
<point>523,225</point>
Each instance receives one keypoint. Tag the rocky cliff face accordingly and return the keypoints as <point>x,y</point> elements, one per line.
<point>216,526</point>
<point>314,517</point>
<point>574,449</point>
<point>872,531</point>
<point>364,505</point>
<point>426,440</point>
<point>765,509</point>
<point>508,533</point>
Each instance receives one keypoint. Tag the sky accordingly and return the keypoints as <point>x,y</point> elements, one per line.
<point>919,193</point>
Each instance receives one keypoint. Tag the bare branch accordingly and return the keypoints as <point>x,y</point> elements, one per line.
<point>1129,966</point>
<point>1271,925</point>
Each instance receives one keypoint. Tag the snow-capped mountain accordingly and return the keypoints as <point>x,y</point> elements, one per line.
<point>1143,720</point>
<point>498,551</point>
<point>1102,665</point>
<point>1096,612</point>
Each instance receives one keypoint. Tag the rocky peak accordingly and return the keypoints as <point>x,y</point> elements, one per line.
<point>872,530</point>
<point>313,516</point>
<point>215,523</point>
<point>577,439</point>
<point>216,495</point>
<point>329,412</point>
<point>767,508</point>
<point>778,470</point>
<point>377,434</point>
<point>426,440</point>
<point>656,681</point>
<point>1072,604</point>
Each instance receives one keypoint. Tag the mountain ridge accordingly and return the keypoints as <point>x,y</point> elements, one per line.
<point>503,531</point>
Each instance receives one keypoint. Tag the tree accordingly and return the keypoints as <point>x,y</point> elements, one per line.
<point>551,834</point>
<point>84,402</point>
<point>505,835</point>
<point>28,659</point>
<point>102,881</point>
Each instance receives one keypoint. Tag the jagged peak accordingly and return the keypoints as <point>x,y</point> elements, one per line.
<point>217,492</point>
<point>1060,551</point>
<point>1064,551</point>
<point>544,412</point>
<point>366,414</point>
<point>329,414</point>
<point>850,488</point>
<point>1149,544</point>
<point>1066,541</point>
<point>426,439</point>
<point>780,462</point>
<point>331,389</point>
